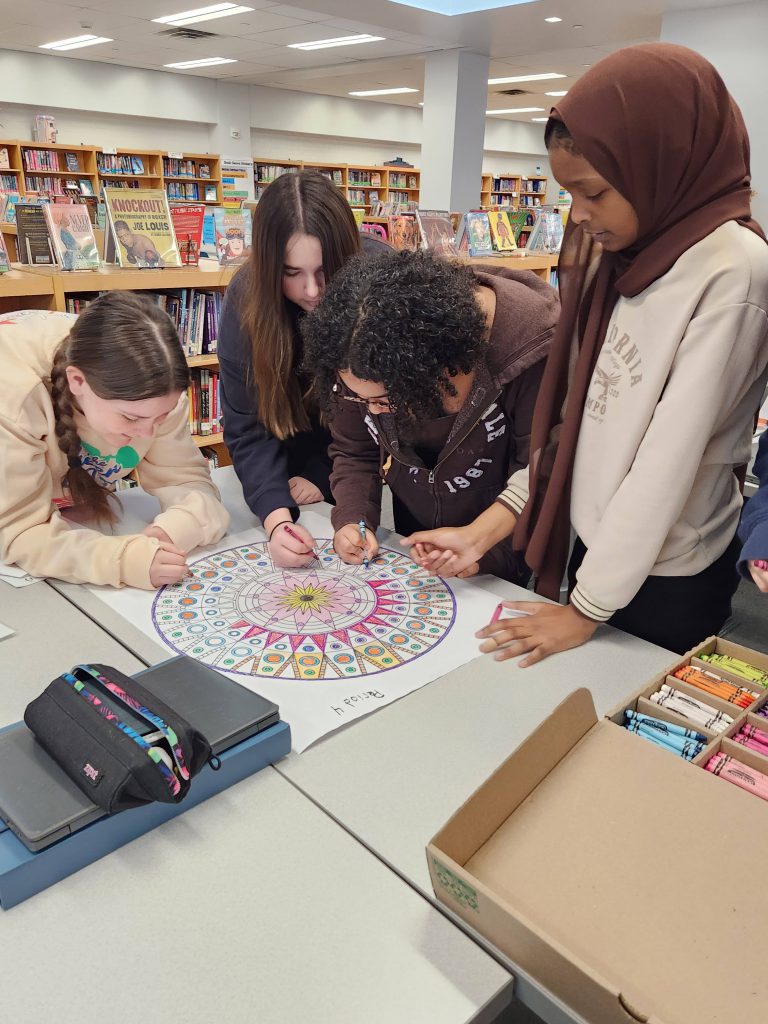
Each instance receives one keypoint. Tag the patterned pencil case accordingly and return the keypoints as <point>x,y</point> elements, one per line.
<point>120,743</point>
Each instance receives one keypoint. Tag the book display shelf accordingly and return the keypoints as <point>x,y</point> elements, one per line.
<point>364,185</point>
<point>192,178</point>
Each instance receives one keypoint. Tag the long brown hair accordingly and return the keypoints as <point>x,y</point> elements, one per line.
<point>303,203</point>
<point>127,348</point>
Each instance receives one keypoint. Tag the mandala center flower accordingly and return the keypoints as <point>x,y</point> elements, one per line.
<point>306,598</point>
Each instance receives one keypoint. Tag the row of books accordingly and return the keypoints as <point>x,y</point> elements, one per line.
<point>189,191</point>
<point>332,174</point>
<point>204,402</point>
<point>399,180</point>
<point>399,197</point>
<point>195,313</point>
<point>211,456</point>
<point>389,207</point>
<point>504,184</point>
<point>479,233</point>
<point>265,173</point>
<point>530,201</point>
<point>40,159</point>
<point>359,197</point>
<point>176,167</point>
<point>371,179</point>
<point>533,184</point>
<point>112,163</point>
<point>9,182</point>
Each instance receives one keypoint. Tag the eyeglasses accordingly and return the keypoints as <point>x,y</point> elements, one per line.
<point>377,404</point>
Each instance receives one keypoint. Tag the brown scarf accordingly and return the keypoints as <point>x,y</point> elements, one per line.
<point>657,122</point>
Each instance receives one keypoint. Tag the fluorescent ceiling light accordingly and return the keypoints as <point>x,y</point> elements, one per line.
<point>540,120</point>
<point>563,92</point>
<point>383,92</point>
<point>553,20</point>
<point>202,14</point>
<point>453,7</point>
<point>515,110</point>
<point>324,44</point>
<point>206,62</point>
<point>75,43</point>
<point>525,78</point>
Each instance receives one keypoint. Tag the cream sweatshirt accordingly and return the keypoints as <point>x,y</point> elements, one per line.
<point>33,533</point>
<point>669,414</point>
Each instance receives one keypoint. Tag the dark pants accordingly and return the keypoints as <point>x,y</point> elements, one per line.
<point>676,612</point>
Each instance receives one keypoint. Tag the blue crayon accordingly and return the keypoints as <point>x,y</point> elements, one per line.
<point>665,727</point>
<point>677,743</point>
<point>361,527</point>
<point>690,750</point>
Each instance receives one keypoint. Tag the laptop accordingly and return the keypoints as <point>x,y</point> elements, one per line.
<point>41,804</point>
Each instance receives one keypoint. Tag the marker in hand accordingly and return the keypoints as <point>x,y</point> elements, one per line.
<point>292,533</point>
<point>366,562</point>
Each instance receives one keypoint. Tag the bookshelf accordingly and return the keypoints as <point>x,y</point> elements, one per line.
<point>512,191</point>
<point>265,171</point>
<point>12,175</point>
<point>335,173</point>
<point>53,168</point>
<point>129,168</point>
<point>192,178</point>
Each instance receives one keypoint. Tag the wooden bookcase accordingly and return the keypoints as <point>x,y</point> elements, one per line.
<point>50,167</point>
<point>336,173</point>
<point>363,184</point>
<point>512,191</point>
<point>265,171</point>
<point>182,177</point>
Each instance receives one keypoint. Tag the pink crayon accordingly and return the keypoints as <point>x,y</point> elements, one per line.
<point>750,744</point>
<point>753,733</point>
<point>739,774</point>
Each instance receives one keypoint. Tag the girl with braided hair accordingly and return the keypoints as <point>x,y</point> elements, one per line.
<point>84,403</point>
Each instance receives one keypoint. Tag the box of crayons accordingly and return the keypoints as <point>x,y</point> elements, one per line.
<point>601,856</point>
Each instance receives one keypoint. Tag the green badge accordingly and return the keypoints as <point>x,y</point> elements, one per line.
<point>456,887</point>
<point>127,457</point>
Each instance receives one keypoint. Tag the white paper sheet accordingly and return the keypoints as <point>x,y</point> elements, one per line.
<point>16,577</point>
<point>329,643</point>
<point>6,631</point>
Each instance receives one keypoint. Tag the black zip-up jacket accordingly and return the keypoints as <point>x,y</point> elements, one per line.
<point>487,442</point>
<point>263,463</point>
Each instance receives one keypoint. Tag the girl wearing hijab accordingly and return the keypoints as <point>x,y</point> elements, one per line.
<point>646,407</point>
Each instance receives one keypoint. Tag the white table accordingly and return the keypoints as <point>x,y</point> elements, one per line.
<point>252,906</point>
<point>393,779</point>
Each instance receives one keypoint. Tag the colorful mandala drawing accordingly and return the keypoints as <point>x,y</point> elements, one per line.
<point>240,613</point>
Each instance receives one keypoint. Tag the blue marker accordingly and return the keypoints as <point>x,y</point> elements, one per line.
<point>361,524</point>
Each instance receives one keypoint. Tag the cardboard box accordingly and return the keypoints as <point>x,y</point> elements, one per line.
<point>623,878</point>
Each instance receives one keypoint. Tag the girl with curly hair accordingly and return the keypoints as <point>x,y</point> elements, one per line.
<point>646,407</point>
<point>303,233</point>
<point>428,371</point>
<point>83,403</point>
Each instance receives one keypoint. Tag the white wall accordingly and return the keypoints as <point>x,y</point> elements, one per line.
<point>734,39</point>
<point>102,104</point>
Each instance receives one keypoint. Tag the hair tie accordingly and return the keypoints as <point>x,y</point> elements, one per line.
<point>74,462</point>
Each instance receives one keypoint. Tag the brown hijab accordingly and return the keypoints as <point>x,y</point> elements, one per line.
<point>657,122</point>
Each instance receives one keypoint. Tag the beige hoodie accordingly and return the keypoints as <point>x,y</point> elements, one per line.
<point>33,533</point>
<point>669,414</point>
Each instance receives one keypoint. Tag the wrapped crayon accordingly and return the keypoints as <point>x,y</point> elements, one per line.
<point>716,685</point>
<point>738,667</point>
<point>666,728</point>
<point>739,774</point>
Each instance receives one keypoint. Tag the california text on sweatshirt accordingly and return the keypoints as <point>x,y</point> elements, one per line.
<point>33,533</point>
<point>669,415</point>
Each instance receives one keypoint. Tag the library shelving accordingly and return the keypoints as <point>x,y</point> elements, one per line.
<point>129,168</point>
<point>54,168</point>
<point>513,191</point>
<point>335,173</point>
<point>192,177</point>
<point>265,171</point>
<point>51,288</point>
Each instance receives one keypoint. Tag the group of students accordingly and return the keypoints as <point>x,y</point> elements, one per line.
<point>599,439</point>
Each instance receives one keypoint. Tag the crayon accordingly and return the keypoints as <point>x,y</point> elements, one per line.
<point>292,533</point>
<point>753,733</point>
<point>665,727</point>
<point>361,526</point>
<point>689,707</point>
<point>750,744</point>
<point>716,685</point>
<point>739,774</point>
<point>687,749</point>
<point>497,612</point>
<point>738,667</point>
